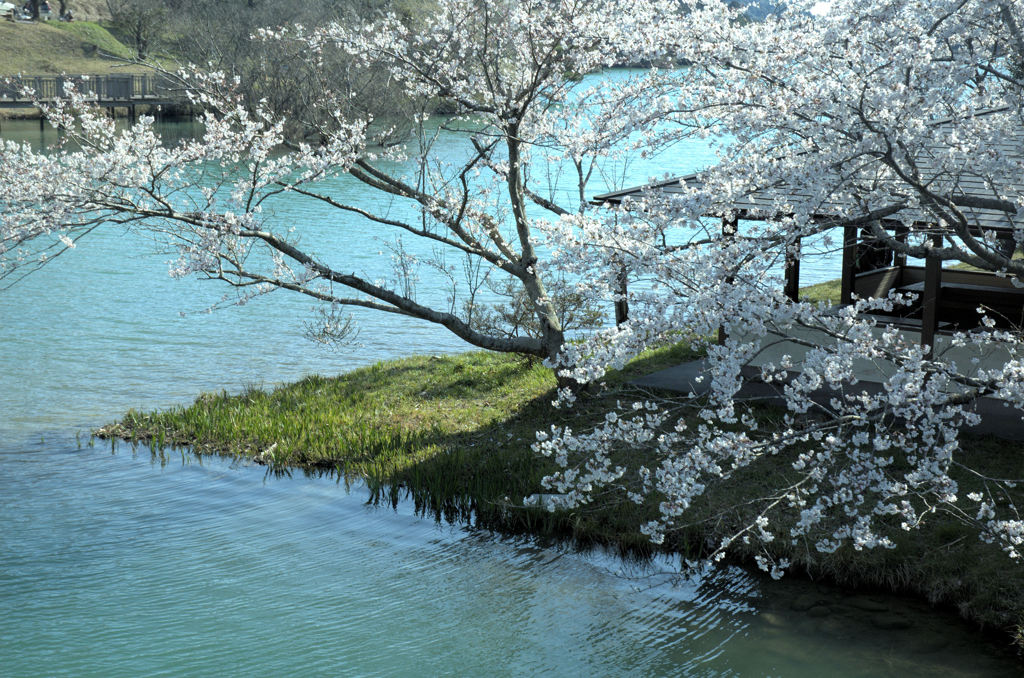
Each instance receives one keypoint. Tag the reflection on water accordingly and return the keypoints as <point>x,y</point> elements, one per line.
<point>118,564</point>
<point>30,132</point>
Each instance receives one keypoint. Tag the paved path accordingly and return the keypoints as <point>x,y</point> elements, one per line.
<point>996,417</point>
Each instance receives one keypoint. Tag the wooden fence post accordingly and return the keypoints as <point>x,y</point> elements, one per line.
<point>849,265</point>
<point>792,287</point>
<point>930,298</point>
<point>730,226</point>
<point>622,305</point>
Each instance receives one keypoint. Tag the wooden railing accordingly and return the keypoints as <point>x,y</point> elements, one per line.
<point>108,90</point>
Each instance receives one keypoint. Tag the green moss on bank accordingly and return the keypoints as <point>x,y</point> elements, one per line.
<point>386,417</point>
<point>454,433</point>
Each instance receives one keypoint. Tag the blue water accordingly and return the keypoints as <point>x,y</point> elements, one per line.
<point>129,564</point>
<point>196,568</point>
<point>124,563</point>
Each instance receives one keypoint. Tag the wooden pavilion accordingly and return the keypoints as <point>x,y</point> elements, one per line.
<point>948,299</point>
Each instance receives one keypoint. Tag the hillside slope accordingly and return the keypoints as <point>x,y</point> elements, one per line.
<point>89,10</point>
<point>54,48</point>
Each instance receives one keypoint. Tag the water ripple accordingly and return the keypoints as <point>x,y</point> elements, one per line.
<point>121,565</point>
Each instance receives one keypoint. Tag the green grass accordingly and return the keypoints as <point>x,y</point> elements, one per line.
<point>452,432</point>
<point>52,48</point>
<point>95,34</point>
<point>827,292</point>
<point>361,420</point>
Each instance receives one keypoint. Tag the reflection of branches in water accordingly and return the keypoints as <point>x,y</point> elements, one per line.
<point>332,327</point>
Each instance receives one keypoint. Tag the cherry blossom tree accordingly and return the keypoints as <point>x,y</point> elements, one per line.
<point>502,75</point>
<point>861,116</point>
<point>899,119</point>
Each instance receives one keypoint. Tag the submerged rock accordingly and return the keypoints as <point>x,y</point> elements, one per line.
<point>890,621</point>
<point>803,603</point>
<point>867,604</point>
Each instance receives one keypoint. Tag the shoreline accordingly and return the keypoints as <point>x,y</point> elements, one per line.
<point>453,434</point>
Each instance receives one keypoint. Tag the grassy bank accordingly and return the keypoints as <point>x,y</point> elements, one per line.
<point>52,48</point>
<point>454,433</point>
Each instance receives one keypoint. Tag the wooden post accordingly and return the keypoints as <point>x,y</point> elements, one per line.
<point>622,305</point>
<point>849,264</point>
<point>730,226</point>
<point>792,288</point>
<point>901,237</point>
<point>930,298</point>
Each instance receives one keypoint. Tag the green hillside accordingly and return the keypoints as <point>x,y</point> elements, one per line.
<point>52,48</point>
<point>89,10</point>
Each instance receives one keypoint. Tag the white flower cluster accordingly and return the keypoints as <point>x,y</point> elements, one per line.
<point>841,115</point>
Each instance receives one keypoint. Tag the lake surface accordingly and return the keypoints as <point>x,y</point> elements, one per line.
<point>127,564</point>
<point>122,563</point>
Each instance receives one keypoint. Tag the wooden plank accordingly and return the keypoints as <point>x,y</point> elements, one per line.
<point>904,323</point>
<point>792,288</point>
<point>977,292</point>
<point>877,283</point>
<point>849,261</point>
<point>930,300</point>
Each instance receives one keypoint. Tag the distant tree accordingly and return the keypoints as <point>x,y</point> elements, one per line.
<point>278,76</point>
<point>141,22</point>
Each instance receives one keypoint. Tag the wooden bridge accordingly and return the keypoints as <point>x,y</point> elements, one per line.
<point>126,90</point>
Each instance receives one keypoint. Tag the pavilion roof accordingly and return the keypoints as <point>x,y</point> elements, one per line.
<point>761,203</point>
